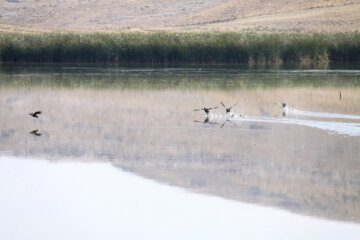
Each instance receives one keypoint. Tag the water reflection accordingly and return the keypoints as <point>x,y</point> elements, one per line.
<point>35,133</point>
<point>143,121</point>
<point>91,201</point>
<point>206,121</point>
<point>347,128</point>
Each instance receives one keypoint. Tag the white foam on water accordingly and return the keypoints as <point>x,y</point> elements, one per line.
<point>351,129</point>
<point>294,111</point>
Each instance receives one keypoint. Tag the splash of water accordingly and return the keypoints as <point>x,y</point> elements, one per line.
<point>351,129</point>
<point>323,114</point>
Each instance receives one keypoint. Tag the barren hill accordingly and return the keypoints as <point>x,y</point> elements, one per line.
<point>221,15</point>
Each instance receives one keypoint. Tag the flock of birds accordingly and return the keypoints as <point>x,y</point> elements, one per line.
<point>284,106</point>
<point>207,110</point>
<point>35,132</point>
<point>230,114</point>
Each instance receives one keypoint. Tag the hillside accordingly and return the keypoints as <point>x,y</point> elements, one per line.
<point>185,15</point>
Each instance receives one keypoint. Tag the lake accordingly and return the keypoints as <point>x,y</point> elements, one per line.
<point>120,153</point>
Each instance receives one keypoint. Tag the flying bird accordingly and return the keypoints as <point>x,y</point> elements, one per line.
<point>284,105</point>
<point>35,133</point>
<point>35,114</point>
<point>228,110</point>
<point>205,109</point>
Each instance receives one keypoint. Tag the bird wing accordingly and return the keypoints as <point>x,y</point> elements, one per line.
<point>233,105</point>
<point>223,104</point>
<point>197,109</point>
<point>233,123</point>
<point>37,112</point>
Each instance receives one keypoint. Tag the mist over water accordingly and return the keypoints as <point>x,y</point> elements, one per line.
<point>142,122</point>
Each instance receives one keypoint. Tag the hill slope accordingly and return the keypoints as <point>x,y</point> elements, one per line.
<point>222,15</point>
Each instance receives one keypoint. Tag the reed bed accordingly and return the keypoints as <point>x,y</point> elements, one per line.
<point>178,48</point>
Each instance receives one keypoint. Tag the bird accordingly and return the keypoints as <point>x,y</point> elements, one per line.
<point>228,110</point>
<point>339,95</point>
<point>205,109</point>
<point>285,107</point>
<point>35,114</point>
<point>35,132</point>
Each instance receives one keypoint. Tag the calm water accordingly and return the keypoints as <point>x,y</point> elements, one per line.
<point>118,150</point>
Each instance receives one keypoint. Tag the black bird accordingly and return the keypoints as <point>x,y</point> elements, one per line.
<point>35,132</point>
<point>35,114</point>
<point>339,95</point>
<point>284,105</point>
<point>205,109</point>
<point>229,108</point>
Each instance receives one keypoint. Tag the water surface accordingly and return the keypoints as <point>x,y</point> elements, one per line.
<point>141,122</point>
<point>97,201</point>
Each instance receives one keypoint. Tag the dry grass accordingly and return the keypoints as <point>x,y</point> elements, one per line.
<point>187,15</point>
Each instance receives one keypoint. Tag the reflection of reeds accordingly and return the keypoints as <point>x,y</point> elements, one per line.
<point>179,48</point>
<point>55,76</point>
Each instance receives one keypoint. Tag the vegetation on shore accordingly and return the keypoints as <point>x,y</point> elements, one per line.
<point>179,48</point>
<point>96,78</point>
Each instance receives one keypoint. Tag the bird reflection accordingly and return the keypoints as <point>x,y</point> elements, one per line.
<point>35,133</point>
<point>228,120</point>
<point>206,121</point>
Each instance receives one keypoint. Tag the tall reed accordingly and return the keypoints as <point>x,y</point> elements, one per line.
<point>178,48</point>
